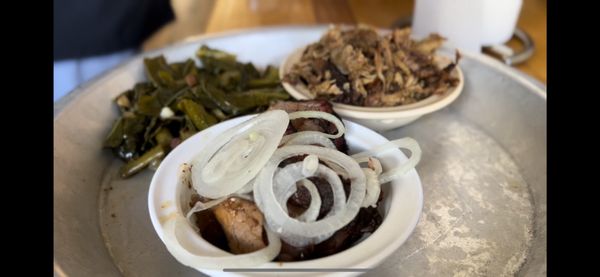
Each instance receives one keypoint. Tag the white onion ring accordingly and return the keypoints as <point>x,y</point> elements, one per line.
<point>201,206</point>
<point>309,165</point>
<point>406,143</point>
<point>285,179</point>
<point>307,138</point>
<point>278,220</point>
<point>312,212</point>
<point>237,155</point>
<point>320,115</point>
<point>247,188</point>
<point>284,187</point>
<point>373,186</point>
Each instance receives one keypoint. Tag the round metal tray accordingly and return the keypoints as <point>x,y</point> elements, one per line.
<point>483,172</point>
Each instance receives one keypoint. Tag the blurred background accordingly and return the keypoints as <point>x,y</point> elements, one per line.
<point>92,36</point>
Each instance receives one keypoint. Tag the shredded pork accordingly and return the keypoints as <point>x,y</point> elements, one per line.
<point>360,67</point>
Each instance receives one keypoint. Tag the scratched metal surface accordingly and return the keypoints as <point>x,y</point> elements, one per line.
<point>483,172</point>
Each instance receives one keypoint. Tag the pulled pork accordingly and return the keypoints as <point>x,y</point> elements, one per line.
<point>360,67</point>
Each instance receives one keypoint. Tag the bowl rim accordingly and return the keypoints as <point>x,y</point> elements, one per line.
<point>425,106</point>
<point>393,240</point>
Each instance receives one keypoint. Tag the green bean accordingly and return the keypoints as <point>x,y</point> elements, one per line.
<point>163,137</point>
<point>270,79</point>
<point>148,105</point>
<point>253,98</point>
<point>135,166</point>
<point>115,136</point>
<point>197,114</point>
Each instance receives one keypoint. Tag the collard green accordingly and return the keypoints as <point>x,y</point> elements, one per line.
<point>182,98</point>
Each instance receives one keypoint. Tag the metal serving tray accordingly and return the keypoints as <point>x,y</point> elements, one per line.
<point>483,172</point>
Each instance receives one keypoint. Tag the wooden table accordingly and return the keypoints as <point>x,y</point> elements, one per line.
<point>196,17</point>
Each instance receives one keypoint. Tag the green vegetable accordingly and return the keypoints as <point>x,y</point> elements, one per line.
<point>270,78</point>
<point>197,114</point>
<point>115,136</point>
<point>188,130</point>
<point>180,99</point>
<point>215,60</point>
<point>163,137</point>
<point>148,105</point>
<point>158,71</point>
<point>135,166</point>
<point>254,98</point>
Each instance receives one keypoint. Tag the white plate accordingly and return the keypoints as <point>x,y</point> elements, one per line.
<point>401,206</point>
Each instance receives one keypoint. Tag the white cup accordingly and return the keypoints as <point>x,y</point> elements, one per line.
<point>467,24</point>
<point>500,20</point>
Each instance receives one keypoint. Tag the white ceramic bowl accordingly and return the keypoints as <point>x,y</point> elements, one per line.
<point>400,208</point>
<point>379,119</point>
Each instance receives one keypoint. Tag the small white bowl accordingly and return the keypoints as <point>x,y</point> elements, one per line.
<point>376,118</point>
<point>401,207</point>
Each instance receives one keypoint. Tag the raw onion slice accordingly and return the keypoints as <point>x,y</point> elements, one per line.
<point>201,206</point>
<point>307,138</point>
<point>235,157</point>
<point>247,188</point>
<point>285,179</point>
<point>312,212</point>
<point>373,185</point>
<point>180,249</point>
<point>275,216</point>
<point>373,188</point>
<point>284,188</point>
<point>320,115</point>
<point>406,143</point>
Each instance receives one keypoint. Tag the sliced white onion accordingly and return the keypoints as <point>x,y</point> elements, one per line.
<point>201,206</point>
<point>373,185</point>
<point>320,115</point>
<point>307,138</point>
<point>236,156</point>
<point>247,188</point>
<point>284,188</point>
<point>312,212</point>
<point>275,216</point>
<point>373,188</point>
<point>406,143</point>
<point>309,165</point>
<point>337,169</point>
<point>373,163</point>
<point>179,248</point>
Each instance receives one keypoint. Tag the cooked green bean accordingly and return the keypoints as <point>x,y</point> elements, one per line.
<point>135,166</point>
<point>163,137</point>
<point>197,114</point>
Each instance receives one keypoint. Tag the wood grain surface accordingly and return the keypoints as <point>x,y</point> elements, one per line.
<point>195,17</point>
